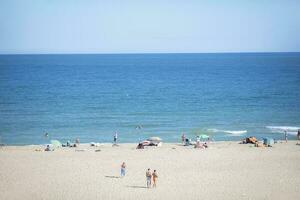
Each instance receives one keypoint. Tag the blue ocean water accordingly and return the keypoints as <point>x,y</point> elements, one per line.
<point>229,96</point>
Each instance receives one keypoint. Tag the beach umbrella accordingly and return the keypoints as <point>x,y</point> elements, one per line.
<point>199,132</point>
<point>56,143</point>
<point>154,139</point>
<point>145,143</point>
<point>204,136</point>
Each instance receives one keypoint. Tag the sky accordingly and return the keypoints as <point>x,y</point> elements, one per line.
<point>152,26</point>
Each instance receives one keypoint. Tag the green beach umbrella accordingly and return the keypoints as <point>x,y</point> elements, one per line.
<point>56,143</point>
<point>199,132</point>
<point>204,136</point>
<point>203,133</point>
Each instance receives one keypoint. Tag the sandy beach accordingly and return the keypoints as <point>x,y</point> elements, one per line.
<point>225,170</point>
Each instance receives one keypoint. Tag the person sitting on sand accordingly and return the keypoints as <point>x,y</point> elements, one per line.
<point>155,176</point>
<point>123,169</point>
<point>187,142</point>
<point>198,145</point>
<point>48,148</point>
<point>148,178</point>
<point>140,146</point>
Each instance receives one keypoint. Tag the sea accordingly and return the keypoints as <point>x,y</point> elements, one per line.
<point>228,96</point>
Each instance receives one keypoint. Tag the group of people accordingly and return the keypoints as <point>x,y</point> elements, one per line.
<point>68,144</point>
<point>151,177</point>
<point>188,142</point>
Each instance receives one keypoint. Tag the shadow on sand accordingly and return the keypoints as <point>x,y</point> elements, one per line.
<point>112,176</point>
<point>135,186</point>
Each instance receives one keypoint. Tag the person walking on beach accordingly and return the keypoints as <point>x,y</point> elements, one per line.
<point>148,178</point>
<point>154,176</point>
<point>123,169</point>
<point>298,134</point>
<point>115,138</point>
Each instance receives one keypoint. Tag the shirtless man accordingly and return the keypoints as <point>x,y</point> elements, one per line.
<point>148,177</point>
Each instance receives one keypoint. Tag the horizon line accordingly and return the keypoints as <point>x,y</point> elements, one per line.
<point>139,53</point>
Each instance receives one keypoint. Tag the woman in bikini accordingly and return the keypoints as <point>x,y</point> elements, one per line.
<point>154,176</point>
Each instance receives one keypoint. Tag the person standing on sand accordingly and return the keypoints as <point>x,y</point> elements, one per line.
<point>298,134</point>
<point>148,178</point>
<point>183,138</point>
<point>115,138</point>
<point>123,169</point>
<point>285,136</point>
<point>154,176</point>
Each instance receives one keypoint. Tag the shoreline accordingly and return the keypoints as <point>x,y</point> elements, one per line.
<point>136,143</point>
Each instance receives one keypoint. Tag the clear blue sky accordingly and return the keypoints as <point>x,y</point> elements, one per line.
<point>140,26</point>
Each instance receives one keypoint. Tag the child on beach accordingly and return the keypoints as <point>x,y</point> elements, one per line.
<point>123,169</point>
<point>148,177</point>
<point>155,176</point>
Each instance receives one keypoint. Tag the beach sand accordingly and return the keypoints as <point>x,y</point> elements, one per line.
<point>226,170</point>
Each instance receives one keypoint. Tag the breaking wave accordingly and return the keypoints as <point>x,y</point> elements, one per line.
<point>292,130</point>
<point>234,133</point>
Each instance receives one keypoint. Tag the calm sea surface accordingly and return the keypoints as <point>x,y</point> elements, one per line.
<point>229,96</point>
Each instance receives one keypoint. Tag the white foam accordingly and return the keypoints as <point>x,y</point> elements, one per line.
<point>234,133</point>
<point>291,130</point>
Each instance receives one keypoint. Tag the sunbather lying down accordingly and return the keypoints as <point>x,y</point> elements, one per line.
<point>251,140</point>
<point>259,144</point>
<point>201,146</point>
